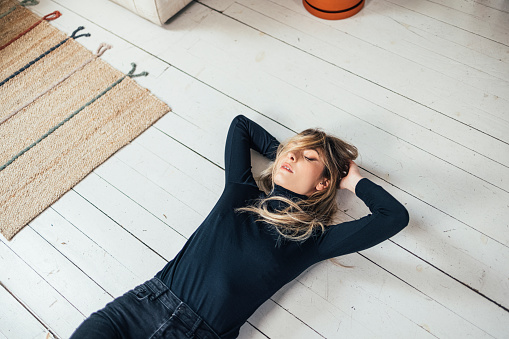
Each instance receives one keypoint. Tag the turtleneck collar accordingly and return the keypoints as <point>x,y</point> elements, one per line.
<point>281,191</point>
<point>278,205</point>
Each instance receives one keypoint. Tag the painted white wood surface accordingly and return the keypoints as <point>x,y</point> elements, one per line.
<point>16,321</point>
<point>420,87</point>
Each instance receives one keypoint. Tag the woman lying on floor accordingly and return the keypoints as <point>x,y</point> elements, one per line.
<point>252,243</point>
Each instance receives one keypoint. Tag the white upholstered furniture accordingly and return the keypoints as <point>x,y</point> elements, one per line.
<point>157,11</point>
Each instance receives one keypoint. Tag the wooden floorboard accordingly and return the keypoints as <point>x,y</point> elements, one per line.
<point>420,87</point>
<point>12,311</point>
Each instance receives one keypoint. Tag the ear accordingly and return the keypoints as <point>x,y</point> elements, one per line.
<point>323,184</point>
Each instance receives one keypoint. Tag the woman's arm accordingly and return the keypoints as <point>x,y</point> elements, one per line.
<point>388,217</point>
<point>243,135</point>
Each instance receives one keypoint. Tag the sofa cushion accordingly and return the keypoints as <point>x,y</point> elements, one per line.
<point>157,11</point>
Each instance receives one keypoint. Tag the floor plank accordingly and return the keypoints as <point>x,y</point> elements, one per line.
<point>16,321</point>
<point>495,29</point>
<point>36,293</point>
<point>58,271</point>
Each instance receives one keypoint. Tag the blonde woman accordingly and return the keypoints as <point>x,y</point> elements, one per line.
<point>253,242</point>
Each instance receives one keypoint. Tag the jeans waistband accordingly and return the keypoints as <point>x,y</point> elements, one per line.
<point>182,311</point>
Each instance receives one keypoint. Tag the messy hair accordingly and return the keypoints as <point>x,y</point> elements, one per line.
<point>300,219</point>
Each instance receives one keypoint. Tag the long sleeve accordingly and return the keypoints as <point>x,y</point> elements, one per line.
<point>388,217</point>
<point>243,135</point>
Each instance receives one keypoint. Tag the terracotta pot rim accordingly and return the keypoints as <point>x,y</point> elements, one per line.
<point>333,6</point>
<point>333,15</point>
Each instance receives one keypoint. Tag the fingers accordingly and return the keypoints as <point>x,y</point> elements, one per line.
<point>350,181</point>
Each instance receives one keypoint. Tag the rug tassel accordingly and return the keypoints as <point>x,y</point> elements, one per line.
<point>49,17</point>
<point>131,72</point>
<point>29,3</point>
<point>22,69</point>
<point>103,47</point>
<point>52,16</point>
<point>74,36</point>
<point>54,128</point>
<point>22,3</point>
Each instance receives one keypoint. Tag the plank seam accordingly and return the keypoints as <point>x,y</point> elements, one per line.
<point>86,235</point>
<point>28,310</point>
<point>121,192</point>
<point>287,310</point>
<point>189,148</point>
<point>358,76</point>
<point>415,288</point>
<point>50,285</point>
<point>141,144</point>
<point>450,276</point>
<point>457,10</point>
<point>47,282</point>
<point>256,328</point>
<point>156,184</point>
<point>461,63</point>
<point>114,221</point>
<point>63,255</point>
<point>438,209</point>
<point>498,9</point>
<point>448,23</point>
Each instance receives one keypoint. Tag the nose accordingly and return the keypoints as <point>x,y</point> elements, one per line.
<point>291,156</point>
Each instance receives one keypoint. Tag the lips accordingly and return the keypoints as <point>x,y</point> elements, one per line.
<point>287,167</point>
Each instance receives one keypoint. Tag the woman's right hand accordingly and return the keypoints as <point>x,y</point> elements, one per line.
<point>353,177</point>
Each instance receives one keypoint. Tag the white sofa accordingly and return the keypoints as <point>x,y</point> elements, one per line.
<point>157,11</point>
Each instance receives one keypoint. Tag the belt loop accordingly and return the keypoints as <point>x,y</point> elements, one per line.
<point>197,324</point>
<point>158,294</point>
<point>157,289</point>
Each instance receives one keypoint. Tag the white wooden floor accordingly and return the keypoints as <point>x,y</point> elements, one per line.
<point>421,87</point>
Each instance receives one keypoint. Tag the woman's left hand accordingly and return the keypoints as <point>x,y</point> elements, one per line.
<point>353,177</point>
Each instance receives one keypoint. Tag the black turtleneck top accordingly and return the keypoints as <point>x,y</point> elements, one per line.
<point>233,263</point>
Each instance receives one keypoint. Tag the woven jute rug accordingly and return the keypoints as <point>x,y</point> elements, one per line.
<point>63,112</point>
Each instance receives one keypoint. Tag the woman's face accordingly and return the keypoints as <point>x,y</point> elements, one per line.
<point>300,171</point>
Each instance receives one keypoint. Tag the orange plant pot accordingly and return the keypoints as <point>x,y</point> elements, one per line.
<point>333,9</point>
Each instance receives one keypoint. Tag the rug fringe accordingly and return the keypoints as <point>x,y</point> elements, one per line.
<point>54,128</point>
<point>100,51</point>
<point>50,17</point>
<point>73,36</point>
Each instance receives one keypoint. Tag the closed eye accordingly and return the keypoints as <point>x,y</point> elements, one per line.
<point>309,159</point>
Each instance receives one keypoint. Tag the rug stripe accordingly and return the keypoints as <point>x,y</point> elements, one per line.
<point>82,123</point>
<point>50,17</point>
<point>54,128</point>
<point>41,77</point>
<point>28,47</point>
<point>54,106</point>
<point>16,21</point>
<point>9,11</point>
<point>64,158</point>
<point>100,51</point>
<point>22,69</point>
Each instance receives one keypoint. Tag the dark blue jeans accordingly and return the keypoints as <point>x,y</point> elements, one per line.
<point>150,310</point>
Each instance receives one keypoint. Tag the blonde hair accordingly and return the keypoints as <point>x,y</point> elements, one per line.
<point>300,219</point>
